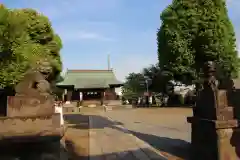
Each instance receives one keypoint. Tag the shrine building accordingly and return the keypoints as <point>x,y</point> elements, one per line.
<point>90,86</point>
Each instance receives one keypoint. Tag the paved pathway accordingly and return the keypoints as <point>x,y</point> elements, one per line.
<point>132,134</point>
<point>110,141</point>
<point>170,123</point>
<point>166,129</point>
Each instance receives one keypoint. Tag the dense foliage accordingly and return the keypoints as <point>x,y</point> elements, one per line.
<point>151,72</point>
<point>193,32</point>
<point>154,75</point>
<point>26,37</point>
<point>134,85</point>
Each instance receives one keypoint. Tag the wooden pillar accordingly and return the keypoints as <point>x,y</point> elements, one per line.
<point>102,97</point>
<point>63,96</point>
<point>80,96</point>
<point>80,99</point>
<point>69,96</point>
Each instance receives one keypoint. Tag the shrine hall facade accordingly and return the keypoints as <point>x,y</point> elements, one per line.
<point>90,86</point>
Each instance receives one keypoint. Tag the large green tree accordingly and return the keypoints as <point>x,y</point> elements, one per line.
<point>193,32</point>
<point>151,72</point>
<point>134,85</point>
<point>26,37</point>
<point>154,77</point>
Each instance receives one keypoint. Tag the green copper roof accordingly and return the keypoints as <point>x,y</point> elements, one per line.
<point>89,79</point>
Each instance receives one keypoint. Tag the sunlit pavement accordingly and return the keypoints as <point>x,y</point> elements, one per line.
<point>164,130</point>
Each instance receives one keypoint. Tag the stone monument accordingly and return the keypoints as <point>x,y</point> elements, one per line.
<point>215,131</point>
<point>33,94</point>
<point>32,123</point>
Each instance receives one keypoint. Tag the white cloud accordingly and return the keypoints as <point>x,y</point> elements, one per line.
<point>229,1</point>
<point>59,9</point>
<point>233,6</point>
<point>62,12</point>
<point>73,35</point>
<point>232,2</point>
<point>91,35</point>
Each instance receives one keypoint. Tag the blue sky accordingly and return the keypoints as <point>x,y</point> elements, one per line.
<point>92,29</point>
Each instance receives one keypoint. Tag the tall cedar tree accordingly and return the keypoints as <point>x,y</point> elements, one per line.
<point>25,38</point>
<point>193,32</point>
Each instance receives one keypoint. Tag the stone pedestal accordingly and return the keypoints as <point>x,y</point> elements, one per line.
<point>215,131</point>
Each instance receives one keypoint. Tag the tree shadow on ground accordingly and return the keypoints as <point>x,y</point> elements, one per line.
<point>144,153</point>
<point>176,147</point>
<point>79,121</point>
<point>33,151</point>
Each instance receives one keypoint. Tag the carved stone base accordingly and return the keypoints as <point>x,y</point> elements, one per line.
<point>31,129</point>
<point>23,106</point>
<point>214,139</point>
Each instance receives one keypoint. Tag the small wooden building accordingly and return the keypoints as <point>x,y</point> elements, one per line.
<point>90,86</point>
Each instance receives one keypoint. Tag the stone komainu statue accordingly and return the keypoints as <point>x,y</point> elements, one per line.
<point>33,94</point>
